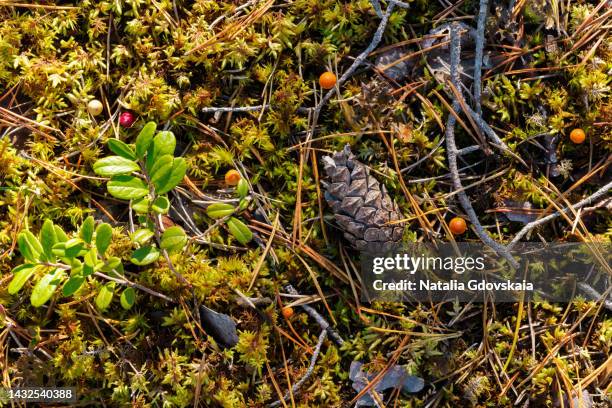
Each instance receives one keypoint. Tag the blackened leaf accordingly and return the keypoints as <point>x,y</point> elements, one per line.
<point>220,326</point>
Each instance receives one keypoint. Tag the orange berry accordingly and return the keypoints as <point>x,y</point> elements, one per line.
<point>327,80</point>
<point>457,225</point>
<point>287,312</point>
<point>232,177</point>
<point>577,136</point>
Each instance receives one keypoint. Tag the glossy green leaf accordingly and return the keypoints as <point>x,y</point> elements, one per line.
<point>46,287</point>
<point>104,236</point>
<point>219,210</point>
<point>121,149</point>
<point>161,205</point>
<point>144,138</point>
<point>59,249</point>
<point>112,264</point>
<point>127,187</point>
<point>174,177</point>
<point>48,238</point>
<point>73,284</point>
<point>128,297</point>
<point>73,247</point>
<point>76,266</point>
<point>21,275</point>
<point>163,143</point>
<point>242,189</point>
<point>173,239</point>
<point>161,169</point>
<point>145,255</point>
<point>60,235</point>
<point>141,205</point>
<point>142,235</point>
<point>105,296</point>
<point>87,229</point>
<point>91,258</point>
<point>243,204</point>
<point>29,246</point>
<point>114,165</point>
<point>87,270</point>
<point>239,230</point>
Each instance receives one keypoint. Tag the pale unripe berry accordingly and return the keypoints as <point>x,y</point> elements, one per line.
<point>94,107</point>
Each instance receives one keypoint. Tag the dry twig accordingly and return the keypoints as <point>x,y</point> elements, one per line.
<point>452,156</point>
<point>590,199</point>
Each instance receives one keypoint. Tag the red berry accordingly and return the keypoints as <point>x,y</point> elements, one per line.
<point>127,119</point>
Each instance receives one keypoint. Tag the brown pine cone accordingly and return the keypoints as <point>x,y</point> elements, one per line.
<point>361,205</point>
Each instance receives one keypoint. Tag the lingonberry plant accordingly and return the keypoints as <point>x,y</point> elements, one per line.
<point>144,174</point>
<point>222,212</point>
<point>57,259</point>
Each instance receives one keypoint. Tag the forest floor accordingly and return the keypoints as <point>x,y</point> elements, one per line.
<point>171,234</point>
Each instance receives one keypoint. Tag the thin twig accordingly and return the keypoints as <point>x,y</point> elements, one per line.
<point>231,109</point>
<point>376,7</point>
<point>319,319</point>
<point>309,372</point>
<point>594,295</point>
<point>124,281</point>
<point>480,39</point>
<point>452,155</point>
<point>593,197</point>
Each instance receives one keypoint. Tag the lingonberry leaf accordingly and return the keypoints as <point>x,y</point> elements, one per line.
<point>127,299</point>
<point>104,235</point>
<point>87,229</point>
<point>142,235</point>
<point>163,143</point>
<point>48,238</point>
<point>141,205</point>
<point>46,287</point>
<point>239,230</point>
<point>29,246</point>
<point>173,239</point>
<point>114,165</point>
<point>122,149</point>
<point>173,177</point>
<point>73,284</point>
<point>144,256</point>
<point>127,187</point>
<point>105,296</point>
<point>219,210</point>
<point>21,275</point>
<point>144,138</point>
<point>161,205</point>
<point>161,169</point>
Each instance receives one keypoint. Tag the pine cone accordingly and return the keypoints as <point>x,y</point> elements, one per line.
<point>361,205</point>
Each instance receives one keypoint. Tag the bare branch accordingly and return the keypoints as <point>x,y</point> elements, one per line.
<point>593,197</point>
<point>452,155</point>
<point>319,319</point>
<point>309,372</point>
<point>480,34</point>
